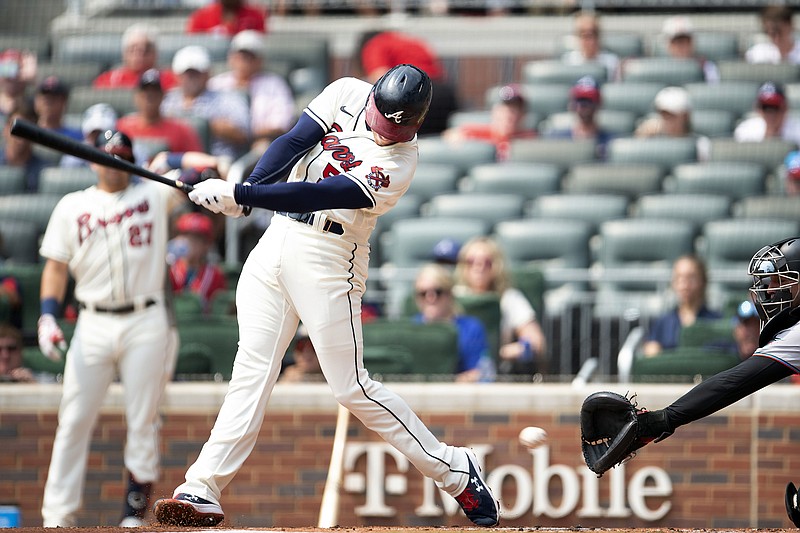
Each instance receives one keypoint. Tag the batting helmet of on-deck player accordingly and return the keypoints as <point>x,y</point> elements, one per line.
<point>115,143</point>
<point>775,270</point>
<point>398,103</point>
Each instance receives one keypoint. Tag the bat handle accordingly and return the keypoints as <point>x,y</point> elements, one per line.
<point>185,187</point>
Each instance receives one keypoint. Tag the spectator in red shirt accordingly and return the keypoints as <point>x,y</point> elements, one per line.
<point>139,54</point>
<point>191,270</point>
<point>506,124</point>
<point>227,17</point>
<point>149,123</point>
<point>380,51</point>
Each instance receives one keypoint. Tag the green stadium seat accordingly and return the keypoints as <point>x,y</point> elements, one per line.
<point>664,151</point>
<point>734,180</point>
<point>561,152</point>
<point>593,208</point>
<point>738,97</point>
<point>12,180</point>
<point>35,208</point>
<point>740,70</point>
<point>707,334</point>
<point>60,181</point>
<point>769,153</point>
<point>768,207</point>
<point>81,98</point>
<point>731,243</point>
<point>681,365</point>
<point>486,308</point>
<point>635,97</point>
<point>545,243</point>
<point>528,180</point>
<point>629,178</point>
<point>711,45</point>
<point>488,207</point>
<point>20,241</point>
<point>541,99</point>
<point>555,71</point>
<point>409,242</point>
<point>385,361</point>
<point>73,74</point>
<point>217,337</point>
<point>618,122</point>
<point>669,71</point>
<point>168,44</point>
<point>432,179</point>
<point>712,122</point>
<point>103,49</point>
<point>463,154</point>
<point>694,208</point>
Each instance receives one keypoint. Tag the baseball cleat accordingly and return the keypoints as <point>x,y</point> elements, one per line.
<point>188,511</point>
<point>477,500</point>
<point>792,508</point>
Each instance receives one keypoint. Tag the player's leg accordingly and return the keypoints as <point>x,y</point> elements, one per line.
<point>267,324</point>
<point>331,310</point>
<point>146,365</point>
<point>88,372</point>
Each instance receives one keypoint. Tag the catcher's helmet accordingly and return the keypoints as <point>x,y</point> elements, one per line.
<point>398,102</point>
<point>776,270</point>
<point>115,143</point>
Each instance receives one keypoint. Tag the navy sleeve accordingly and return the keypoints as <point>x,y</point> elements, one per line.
<point>336,192</point>
<point>286,150</point>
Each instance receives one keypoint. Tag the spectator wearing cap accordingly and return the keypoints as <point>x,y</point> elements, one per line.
<point>379,51</point>
<point>272,108</point>
<point>746,329</point>
<point>791,184</point>
<point>227,112</point>
<point>17,72</point>
<point>192,271</point>
<point>584,102</point>
<point>772,119</point>
<point>678,34</point>
<point>445,252</point>
<point>506,123</point>
<point>776,22</point>
<point>148,123</point>
<point>18,152</point>
<point>673,119</point>
<point>96,119</point>
<point>50,105</point>
<point>139,53</point>
<point>586,29</point>
<point>227,18</point>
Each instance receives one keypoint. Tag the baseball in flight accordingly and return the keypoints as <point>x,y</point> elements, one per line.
<point>532,437</point>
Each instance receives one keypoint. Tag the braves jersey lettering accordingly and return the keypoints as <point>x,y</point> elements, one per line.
<point>85,230</point>
<point>340,152</point>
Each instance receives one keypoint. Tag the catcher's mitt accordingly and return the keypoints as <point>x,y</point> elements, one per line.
<point>609,430</point>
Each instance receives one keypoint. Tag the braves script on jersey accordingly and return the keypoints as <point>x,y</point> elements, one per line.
<point>114,243</point>
<point>384,173</point>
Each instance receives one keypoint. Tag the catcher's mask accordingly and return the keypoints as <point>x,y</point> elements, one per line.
<point>775,270</point>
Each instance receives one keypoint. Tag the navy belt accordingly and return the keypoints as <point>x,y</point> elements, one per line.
<point>121,310</point>
<point>308,218</point>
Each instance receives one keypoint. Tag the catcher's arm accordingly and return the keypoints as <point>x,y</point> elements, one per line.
<point>613,428</point>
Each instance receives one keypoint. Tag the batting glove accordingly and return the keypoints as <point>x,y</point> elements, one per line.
<point>216,196</point>
<point>51,339</point>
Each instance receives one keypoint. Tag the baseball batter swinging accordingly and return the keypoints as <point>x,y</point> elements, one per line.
<point>349,158</point>
<point>112,238</point>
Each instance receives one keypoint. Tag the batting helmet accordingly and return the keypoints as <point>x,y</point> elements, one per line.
<point>115,143</point>
<point>776,271</point>
<point>398,103</point>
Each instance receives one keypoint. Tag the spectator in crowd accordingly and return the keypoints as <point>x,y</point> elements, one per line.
<point>147,122</point>
<point>772,120</point>
<point>304,365</point>
<point>97,118</point>
<point>689,282</point>
<point>433,290</point>
<point>139,54</point>
<point>678,32</point>
<point>673,119</point>
<point>776,21</point>
<point>10,298</point>
<point>382,50</point>
<point>586,27</point>
<point>506,124</point>
<point>17,72</point>
<point>11,368</point>
<point>272,109</point>
<point>227,112</point>
<point>481,269</point>
<point>191,271</point>
<point>227,18</point>
<point>445,252</point>
<point>791,185</point>
<point>746,329</point>
<point>190,162</point>
<point>18,152</point>
<point>584,102</point>
<point>50,104</point>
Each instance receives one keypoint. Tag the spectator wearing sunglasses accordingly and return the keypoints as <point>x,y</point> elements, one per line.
<point>772,119</point>
<point>481,269</point>
<point>433,291</point>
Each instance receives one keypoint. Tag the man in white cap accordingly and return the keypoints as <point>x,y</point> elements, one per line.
<point>272,108</point>
<point>673,119</point>
<point>227,112</point>
<point>678,33</point>
<point>97,118</point>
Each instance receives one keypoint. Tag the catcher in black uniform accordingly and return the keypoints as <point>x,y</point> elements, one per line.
<point>613,427</point>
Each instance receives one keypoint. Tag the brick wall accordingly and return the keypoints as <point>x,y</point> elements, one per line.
<point>717,466</point>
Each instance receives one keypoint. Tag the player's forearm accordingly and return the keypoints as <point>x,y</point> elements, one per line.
<point>55,277</point>
<point>286,150</point>
<point>725,388</point>
<point>336,192</point>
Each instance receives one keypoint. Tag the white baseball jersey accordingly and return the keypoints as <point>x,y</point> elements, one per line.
<point>114,243</point>
<point>384,173</point>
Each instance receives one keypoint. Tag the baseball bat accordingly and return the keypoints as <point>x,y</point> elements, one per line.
<point>329,508</point>
<point>67,145</point>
